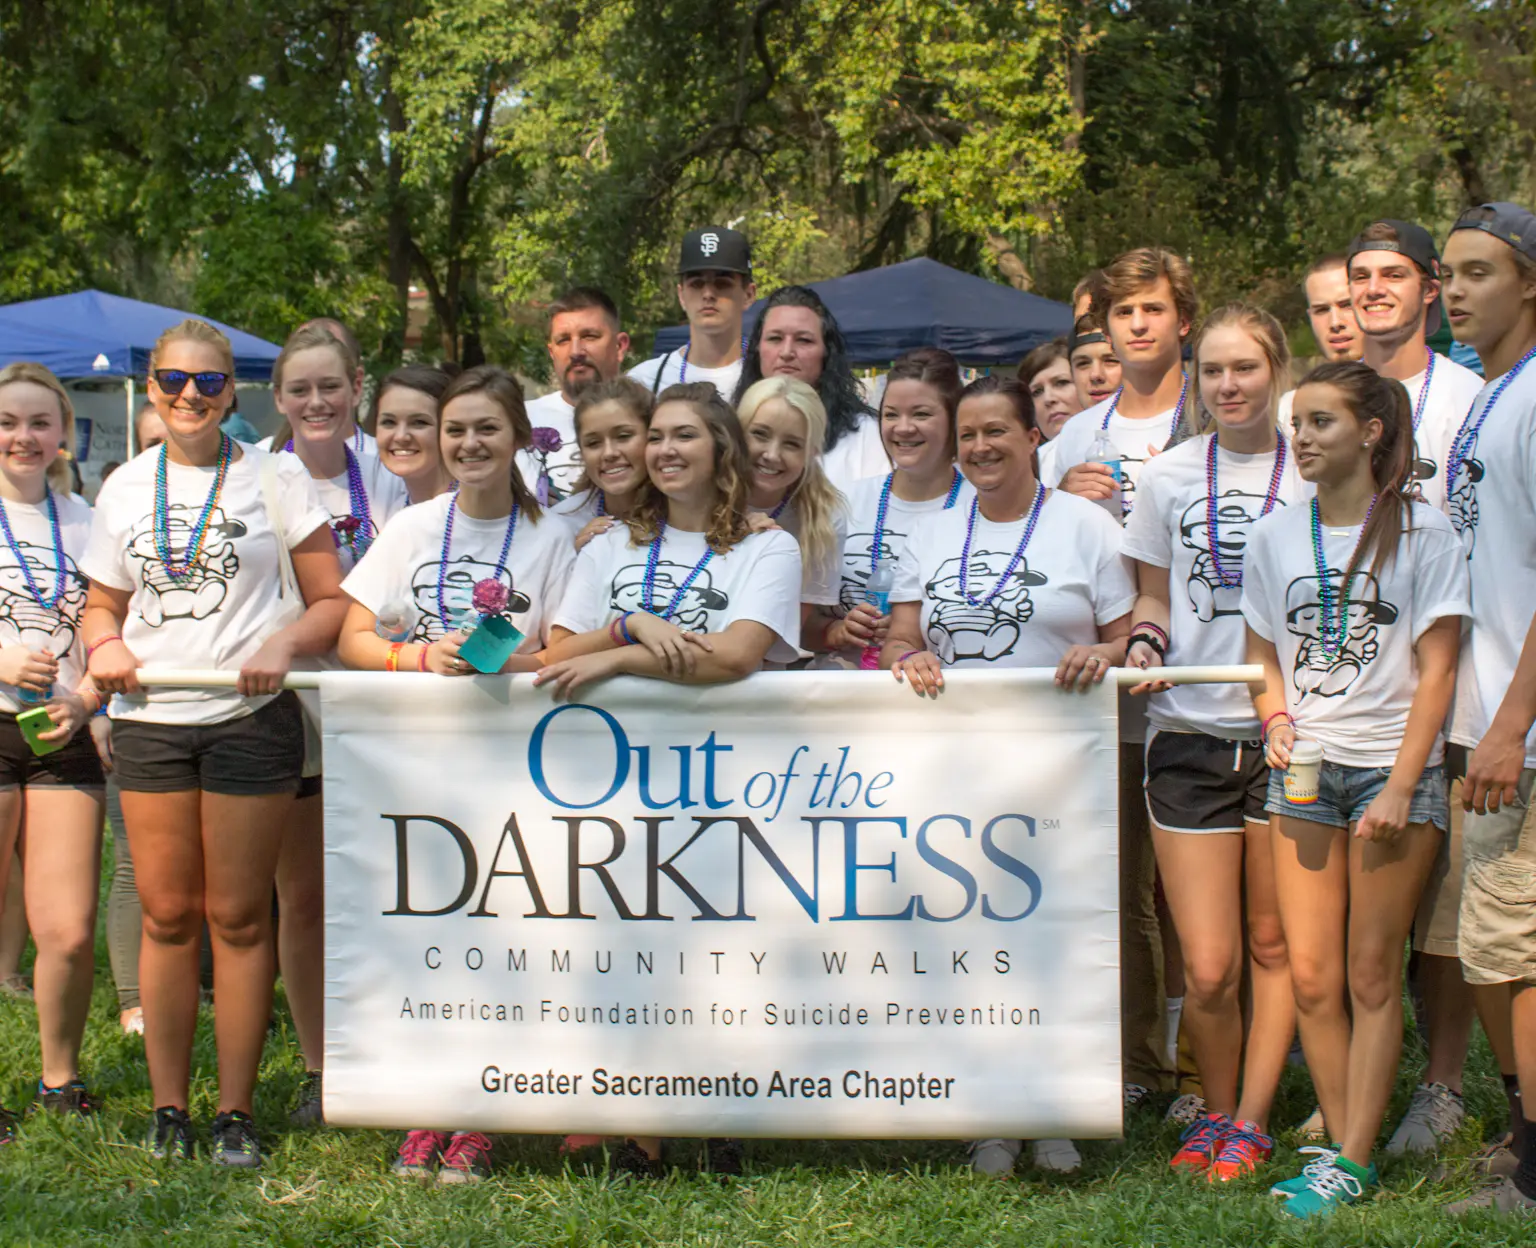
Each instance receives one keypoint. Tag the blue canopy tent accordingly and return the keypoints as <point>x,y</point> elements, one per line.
<point>922,303</point>
<point>92,334</point>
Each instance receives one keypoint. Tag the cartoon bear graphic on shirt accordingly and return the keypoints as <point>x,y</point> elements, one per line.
<point>459,579</point>
<point>1237,512</point>
<point>1317,672</point>
<point>856,569</point>
<point>958,629</point>
<point>1462,499</point>
<point>23,620</point>
<point>201,591</point>
<point>693,609</point>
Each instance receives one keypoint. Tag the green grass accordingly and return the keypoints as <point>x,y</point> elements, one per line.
<point>66,1183</point>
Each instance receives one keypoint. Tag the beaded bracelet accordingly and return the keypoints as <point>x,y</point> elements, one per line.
<point>1264,731</point>
<point>1146,626</point>
<point>907,656</point>
<point>1159,648</point>
<point>392,662</point>
<point>99,643</point>
<point>624,628</point>
<point>613,634</point>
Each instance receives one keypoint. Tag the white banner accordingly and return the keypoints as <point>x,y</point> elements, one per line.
<point>802,905</point>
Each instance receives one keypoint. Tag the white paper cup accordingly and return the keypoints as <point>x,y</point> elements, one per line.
<point>1302,776</point>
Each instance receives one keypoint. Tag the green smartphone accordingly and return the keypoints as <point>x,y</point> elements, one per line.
<point>36,721</point>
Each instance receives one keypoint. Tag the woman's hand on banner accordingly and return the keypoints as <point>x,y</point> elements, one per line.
<point>674,649</point>
<point>922,671</point>
<point>569,675</point>
<point>1143,656</point>
<point>443,656</point>
<point>263,673</point>
<point>113,668</point>
<point>1082,667</point>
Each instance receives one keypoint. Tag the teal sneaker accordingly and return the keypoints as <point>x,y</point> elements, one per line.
<point>1343,1183</point>
<point>1287,1188</point>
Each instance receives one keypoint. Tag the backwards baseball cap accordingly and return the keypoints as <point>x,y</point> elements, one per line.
<point>1509,223</point>
<point>1413,241</point>
<point>715,247</point>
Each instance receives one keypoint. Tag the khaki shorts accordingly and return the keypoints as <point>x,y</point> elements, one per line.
<point>1439,915</point>
<point>1498,899</point>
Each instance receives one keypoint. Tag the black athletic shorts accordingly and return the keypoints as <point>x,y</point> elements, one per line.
<point>251,756</point>
<point>1197,783</point>
<point>76,766</point>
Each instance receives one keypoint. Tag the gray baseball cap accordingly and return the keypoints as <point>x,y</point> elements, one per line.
<point>1509,223</point>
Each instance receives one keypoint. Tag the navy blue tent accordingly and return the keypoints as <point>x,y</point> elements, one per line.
<point>922,303</point>
<point>94,334</point>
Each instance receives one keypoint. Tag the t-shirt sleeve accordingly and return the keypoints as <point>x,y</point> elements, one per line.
<point>1070,452</point>
<point>824,581</point>
<point>1441,582</point>
<point>381,576</point>
<point>770,593</point>
<point>584,602</point>
<point>907,584</point>
<point>1114,584</point>
<point>298,500</point>
<point>1258,577</point>
<point>561,560</point>
<point>1146,534</point>
<point>106,551</point>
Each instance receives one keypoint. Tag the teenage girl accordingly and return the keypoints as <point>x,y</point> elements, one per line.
<point>1354,604</point>
<point>611,419</point>
<point>405,429</point>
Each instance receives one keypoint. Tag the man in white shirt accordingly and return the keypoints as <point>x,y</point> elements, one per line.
<point>715,288</point>
<point>1332,314</point>
<point>586,346</point>
<point>1490,294</point>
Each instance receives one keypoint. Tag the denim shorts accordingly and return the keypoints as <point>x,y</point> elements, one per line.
<point>1343,793</point>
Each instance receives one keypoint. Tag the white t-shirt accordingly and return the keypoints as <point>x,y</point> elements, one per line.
<point>387,494</point>
<point>1493,507</point>
<point>1355,704</point>
<point>1136,441</point>
<point>673,368</point>
<point>1047,456</point>
<point>219,615</point>
<point>1451,392</point>
<point>859,547</point>
<point>1071,580</point>
<point>401,569</point>
<point>23,620</point>
<point>564,465</point>
<point>1170,529</point>
<point>757,579</point>
<point>575,510</point>
<point>857,456</point>
<point>821,580</point>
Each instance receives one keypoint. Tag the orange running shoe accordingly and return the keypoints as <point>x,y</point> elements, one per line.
<point>1201,1142</point>
<point>1243,1150</point>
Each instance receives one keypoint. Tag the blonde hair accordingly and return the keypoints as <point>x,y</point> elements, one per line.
<point>304,338</point>
<point>193,330</point>
<point>816,500</point>
<point>59,477</point>
<point>1270,337</point>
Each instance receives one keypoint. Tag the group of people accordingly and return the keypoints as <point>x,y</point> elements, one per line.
<point>1151,492</point>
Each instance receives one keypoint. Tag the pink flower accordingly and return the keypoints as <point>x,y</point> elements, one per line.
<point>489,597</point>
<point>547,440</point>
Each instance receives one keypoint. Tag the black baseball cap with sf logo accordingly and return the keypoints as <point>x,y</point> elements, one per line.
<point>715,247</point>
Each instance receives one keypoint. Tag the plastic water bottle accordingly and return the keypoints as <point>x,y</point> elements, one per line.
<point>878,594</point>
<point>1105,452</point>
<point>394,622</point>
<point>31,697</point>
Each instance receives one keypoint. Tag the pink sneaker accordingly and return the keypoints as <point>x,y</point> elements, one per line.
<point>419,1153</point>
<point>467,1159</point>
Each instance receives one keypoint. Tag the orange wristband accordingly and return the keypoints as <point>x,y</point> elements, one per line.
<point>392,663</point>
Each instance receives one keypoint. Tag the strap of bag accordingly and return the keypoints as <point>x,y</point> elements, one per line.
<point>656,380</point>
<point>288,580</point>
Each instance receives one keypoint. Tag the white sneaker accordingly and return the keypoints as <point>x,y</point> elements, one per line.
<point>994,1157</point>
<point>1434,1114</point>
<point>1060,1156</point>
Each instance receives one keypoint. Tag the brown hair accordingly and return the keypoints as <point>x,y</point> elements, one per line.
<point>1090,284</point>
<point>194,330</point>
<point>934,367</point>
<point>1370,396</point>
<point>1270,337</point>
<point>307,337</point>
<point>1144,267</point>
<point>422,378</point>
<point>728,517</point>
<point>58,473</point>
<point>1017,395</point>
<point>502,389</point>
<point>630,395</point>
<point>1325,264</point>
<point>1041,358</point>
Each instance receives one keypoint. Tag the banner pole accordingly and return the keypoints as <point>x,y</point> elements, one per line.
<point>1216,674</point>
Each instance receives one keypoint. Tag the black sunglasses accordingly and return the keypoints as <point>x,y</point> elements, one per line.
<point>174,381</point>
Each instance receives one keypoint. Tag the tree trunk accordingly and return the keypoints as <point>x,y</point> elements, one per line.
<point>1009,263</point>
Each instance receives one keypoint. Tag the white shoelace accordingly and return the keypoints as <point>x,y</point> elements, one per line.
<point>1325,1159</point>
<point>1335,1181</point>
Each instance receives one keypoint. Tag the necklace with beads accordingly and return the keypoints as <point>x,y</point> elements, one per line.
<point>1178,408</point>
<point>1018,554</point>
<point>356,529</point>
<point>1234,580</point>
<point>51,601</point>
<point>1466,436</point>
<point>682,372</point>
<point>648,587</point>
<point>885,503</point>
<point>442,563</point>
<point>194,547</point>
<point>1333,624</point>
<point>1429,380</point>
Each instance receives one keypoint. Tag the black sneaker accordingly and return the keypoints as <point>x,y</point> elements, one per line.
<point>72,1099</point>
<point>629,1162</point>
<point>310,1110</point>
<point>173,1139</point>
<point>7,1126</point>
<point>234,1141</point>
<point>724,1157</point>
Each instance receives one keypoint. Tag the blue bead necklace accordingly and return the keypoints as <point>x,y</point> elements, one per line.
<point>648,602</point>
<point>885,503</point>
<point>1466,436</point>
<point>1233,580</point>
<point>51,602</point>
<point>442,563</point>
<point>1333,624</point>
<point>194,547</point>
<point>360,534</point>
<point>1018,555</point>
